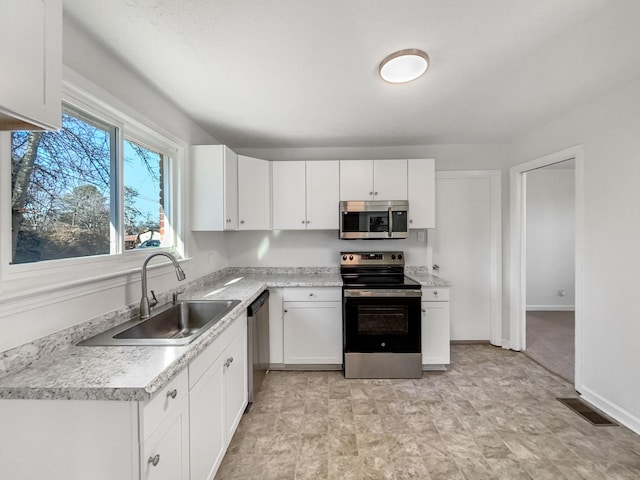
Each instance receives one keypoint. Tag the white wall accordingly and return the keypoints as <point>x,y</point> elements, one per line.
<point>92,68</point>
<point>609,333</point>
<point>550,226</point>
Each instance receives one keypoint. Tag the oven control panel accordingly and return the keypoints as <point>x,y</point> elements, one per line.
<point>371,258</point>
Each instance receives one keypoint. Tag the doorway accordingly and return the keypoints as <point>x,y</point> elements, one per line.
<point>550,267</point>
<point>551,292</point>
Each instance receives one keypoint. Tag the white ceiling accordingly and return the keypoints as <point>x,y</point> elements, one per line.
<point>303,73</point>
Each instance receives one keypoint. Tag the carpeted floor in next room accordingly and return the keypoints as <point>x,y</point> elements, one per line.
<point>492,415</point>
<point>551,341</point>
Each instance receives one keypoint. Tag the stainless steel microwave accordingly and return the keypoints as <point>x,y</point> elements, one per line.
<point>374,219</point>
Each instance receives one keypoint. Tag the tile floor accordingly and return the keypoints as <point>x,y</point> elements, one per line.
<point>493,415</point>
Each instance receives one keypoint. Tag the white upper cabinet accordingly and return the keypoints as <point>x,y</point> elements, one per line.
<point>214,199</point>
<point>323,194</point>
<point>373,180</point>
<point>289,196</point>
<point>422,193</point>
<point>254,193</point>
<point>31,59</point>
<point>306,195</point>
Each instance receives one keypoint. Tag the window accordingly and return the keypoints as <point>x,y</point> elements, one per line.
<point>79,192</point>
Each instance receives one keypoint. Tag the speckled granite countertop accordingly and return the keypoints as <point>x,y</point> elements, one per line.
<point>69,372</point>
<point>136,373</point>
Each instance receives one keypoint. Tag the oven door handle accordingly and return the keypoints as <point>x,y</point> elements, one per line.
<point>398,293</point>
<point>390,222</point>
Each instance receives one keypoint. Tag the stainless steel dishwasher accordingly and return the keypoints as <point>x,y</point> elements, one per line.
<point>258,342</point>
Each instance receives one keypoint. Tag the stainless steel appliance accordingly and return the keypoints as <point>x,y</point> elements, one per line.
<point>258,342</point>
<point>374,219</point>
<point>381,317</point>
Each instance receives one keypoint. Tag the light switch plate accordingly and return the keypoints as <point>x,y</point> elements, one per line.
<point>421,236</point>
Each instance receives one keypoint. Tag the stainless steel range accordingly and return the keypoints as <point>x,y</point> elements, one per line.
<point>381,316</point>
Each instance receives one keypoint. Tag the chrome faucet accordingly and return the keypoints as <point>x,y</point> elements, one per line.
<point>145,305</point>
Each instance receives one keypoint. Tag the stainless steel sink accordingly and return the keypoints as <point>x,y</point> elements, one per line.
<point>178,324</point>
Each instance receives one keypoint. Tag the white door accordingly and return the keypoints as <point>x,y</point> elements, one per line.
<point>235,383</point>
<point>254,193</point>
<point>466,247</point>
<point>313,333</point>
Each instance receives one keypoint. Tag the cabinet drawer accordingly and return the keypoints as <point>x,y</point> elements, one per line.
<point>313,294</point>
<point>155,410</point>
<point>435,294</point>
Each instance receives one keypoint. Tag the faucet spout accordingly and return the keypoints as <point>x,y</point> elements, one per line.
<point>144,301</point>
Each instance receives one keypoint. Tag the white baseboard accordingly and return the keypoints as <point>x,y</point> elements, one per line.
<point>619,414</point>
<point>551,308</point>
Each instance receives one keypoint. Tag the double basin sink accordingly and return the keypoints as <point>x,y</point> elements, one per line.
<point>176,324</point>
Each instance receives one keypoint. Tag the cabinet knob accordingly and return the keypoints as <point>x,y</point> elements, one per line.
<point>172,393</point>
<point>435,292</point>
<point>410,221</point>
<point>311,294</point>
<point>285,310</point>
<point>303,221</point>
<point>228,362</point>
<point>370,193</point>
<point>241,221</point>
<point>375,193</point>
<point>436,268</point>
<point>228,220</point>
<point>308,221</point>
<point>424,310</point>
<point>155,460</point>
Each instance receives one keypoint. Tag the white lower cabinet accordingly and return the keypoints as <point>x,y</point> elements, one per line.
<point>218,398</point>
<point>436,334</point>
<point>165,453</point>
<point>181,433</point>
<point>312,326</point>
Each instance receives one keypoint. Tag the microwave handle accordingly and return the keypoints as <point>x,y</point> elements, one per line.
<point>390,232</point>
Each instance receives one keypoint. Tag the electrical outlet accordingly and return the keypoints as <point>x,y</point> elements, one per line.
<point>211,259</point>
<point>421,236</point>
<point>561,292</point>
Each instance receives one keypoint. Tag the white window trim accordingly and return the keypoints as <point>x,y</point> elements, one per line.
<point>27,286</point>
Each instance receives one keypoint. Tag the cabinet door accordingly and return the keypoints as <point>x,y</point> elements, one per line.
<point>214,188</point>
<point>421,187</point>
<point>254,193</point>
<point>31,87</point>
<point>313,333</point>
<point>230,186</point>
<point>390,180</point>
<point>235,383</point>
<point>323,195</point>
<point>206,421</point>
<point>165,454</point>
<point>436,336</point>
<point>289,196</point>
<point>356,179</point>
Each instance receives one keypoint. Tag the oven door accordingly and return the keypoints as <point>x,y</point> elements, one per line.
<point>382,321</point>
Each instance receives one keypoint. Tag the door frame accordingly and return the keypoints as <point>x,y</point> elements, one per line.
<point>495,260</point>
<point>517,257</point>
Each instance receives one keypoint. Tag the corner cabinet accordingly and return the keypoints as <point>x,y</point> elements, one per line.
<point>214,188</point>
<point>181,433</point>
<point>306,195</point>
<point>436,334</point>
<point>31,59</point>
<point>254,193</point>
<point>313,327</point>
<point>421,188</point>
<point>373,180</point>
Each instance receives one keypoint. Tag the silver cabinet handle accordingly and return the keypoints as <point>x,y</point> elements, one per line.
<point>435,292</point>
<point>228,362</point>
<point>155,460</point>
<point>436,267</point>
<point>410,221</point>
<point>172,393</point>
<point>375,193</point>
<point>311,294</point>
<point>424,310</point>
<point>285,310</point>
<point>308,221</point>
<point>303,221</point>
<point>228,220</point>
<point>370,193</point>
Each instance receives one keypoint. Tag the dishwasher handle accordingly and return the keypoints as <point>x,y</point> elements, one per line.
<point>258,303</point>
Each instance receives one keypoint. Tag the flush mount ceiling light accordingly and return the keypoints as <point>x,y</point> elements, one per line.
<point>404,66</point>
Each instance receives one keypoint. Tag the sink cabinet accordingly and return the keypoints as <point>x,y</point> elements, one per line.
<point>31,59</point>
<point>181,433</point>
